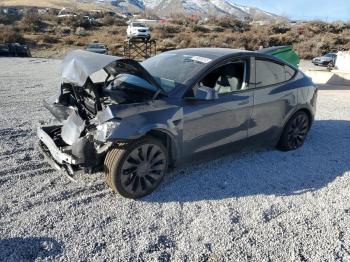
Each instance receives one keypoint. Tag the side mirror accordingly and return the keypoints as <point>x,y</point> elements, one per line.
<point>206,93</point>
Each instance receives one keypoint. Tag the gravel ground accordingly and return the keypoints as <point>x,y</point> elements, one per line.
<point>261,206</point>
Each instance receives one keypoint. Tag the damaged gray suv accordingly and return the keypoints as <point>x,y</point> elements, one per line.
<point>142,118</point>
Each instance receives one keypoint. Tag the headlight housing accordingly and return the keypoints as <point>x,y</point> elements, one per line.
<point>104,130</point>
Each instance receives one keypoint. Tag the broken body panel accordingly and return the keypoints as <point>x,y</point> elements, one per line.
<point>90,112</point>
<point>131,103</point>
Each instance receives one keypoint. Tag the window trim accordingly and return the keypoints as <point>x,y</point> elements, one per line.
<point>247,72</point>
<point>272,61</point>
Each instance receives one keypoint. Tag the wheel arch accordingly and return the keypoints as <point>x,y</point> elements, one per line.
<point>297,110</point>
<point>168,141</point>
<point>305,109</point>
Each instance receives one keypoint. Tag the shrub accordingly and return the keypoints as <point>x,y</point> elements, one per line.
<point>111,20</point>
<point>32,22</point>
<point>68,40</point>
<point>81,31</point>
<point>115,30</point>
<point>66,30</point>
<point>218,29</point>
<point>199,28</point>
<point>180,21</point>
<point>9,19</point>
<point>47,39</point>
<point>280,28</point>
<point>170,29</point>
<point>9,34</point>
<point>235,24</point>
<point>77,21</point>
<point>168,43</point>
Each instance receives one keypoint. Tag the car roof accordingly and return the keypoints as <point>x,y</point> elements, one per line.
<point>273,48</point>
<point>212,53</point>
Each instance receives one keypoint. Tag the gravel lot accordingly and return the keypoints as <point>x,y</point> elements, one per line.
<point>261,206</point>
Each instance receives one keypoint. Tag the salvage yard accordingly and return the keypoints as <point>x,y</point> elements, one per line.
<point>263,205</point>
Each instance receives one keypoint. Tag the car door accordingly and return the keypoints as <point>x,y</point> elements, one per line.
<point>274,97</point>
<point>208,124</point>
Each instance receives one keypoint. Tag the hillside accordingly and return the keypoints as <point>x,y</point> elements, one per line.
<point>58,4</point>
<point>49,35</point>
<point>158,7</point>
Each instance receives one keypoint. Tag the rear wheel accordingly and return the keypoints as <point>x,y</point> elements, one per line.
<point>295,132</point>
<point>137,169</point>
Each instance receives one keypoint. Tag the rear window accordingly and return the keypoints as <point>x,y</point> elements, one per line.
<point>271,73</point>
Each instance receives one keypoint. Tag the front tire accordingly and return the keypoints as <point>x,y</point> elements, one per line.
<point>136,169</point>
<point>295,132</point>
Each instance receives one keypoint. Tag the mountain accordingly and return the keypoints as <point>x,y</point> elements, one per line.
<point>202,7</point>
<point>160,7</point>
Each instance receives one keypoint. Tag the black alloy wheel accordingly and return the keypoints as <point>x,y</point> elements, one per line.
<point>138,169</point>
<point>295,132</point>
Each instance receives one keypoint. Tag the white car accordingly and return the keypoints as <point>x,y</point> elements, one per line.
<point>138,30</point>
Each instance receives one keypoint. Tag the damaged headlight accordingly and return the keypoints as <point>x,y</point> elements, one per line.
<point>104,130</point>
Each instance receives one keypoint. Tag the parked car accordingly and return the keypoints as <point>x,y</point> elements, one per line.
<point>138,30</point>
<point>325,60</point>
<point>285,53</point>
<point>14,50</point>
<point>147,116</point>
<point>97,48</point>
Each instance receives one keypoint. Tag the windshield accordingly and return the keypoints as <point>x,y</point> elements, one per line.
<point>134,81</point>
<point>138,25</point>
<point>330,55</point>
<point>173,70</point>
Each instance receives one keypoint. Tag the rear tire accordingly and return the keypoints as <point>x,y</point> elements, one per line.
<point>136,169</point>
<point>295,132</point>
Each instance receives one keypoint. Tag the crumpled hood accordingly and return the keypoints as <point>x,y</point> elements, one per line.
<point>78,65</point>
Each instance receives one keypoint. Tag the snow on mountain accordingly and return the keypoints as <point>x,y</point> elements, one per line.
<point>205,7</point>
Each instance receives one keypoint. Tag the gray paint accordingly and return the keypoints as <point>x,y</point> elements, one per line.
<point>196,125</point>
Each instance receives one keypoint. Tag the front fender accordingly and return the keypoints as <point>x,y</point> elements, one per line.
<point>172,132</point>
<point>138,125</point>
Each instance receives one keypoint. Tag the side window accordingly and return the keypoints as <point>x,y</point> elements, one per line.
<point>269,73</point>
<point>224,79</point>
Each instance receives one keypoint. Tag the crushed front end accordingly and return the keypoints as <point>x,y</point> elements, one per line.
<point>81,140</point>
<point>71,146</point>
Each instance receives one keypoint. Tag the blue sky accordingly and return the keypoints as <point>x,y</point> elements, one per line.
<point>328,10</point>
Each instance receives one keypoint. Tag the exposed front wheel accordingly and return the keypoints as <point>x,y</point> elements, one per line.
<point>137,169</point>
<point>295,132</point>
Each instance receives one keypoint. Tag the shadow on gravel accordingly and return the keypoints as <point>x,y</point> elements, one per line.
<point>323,158</point>
<point>29,249</point>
